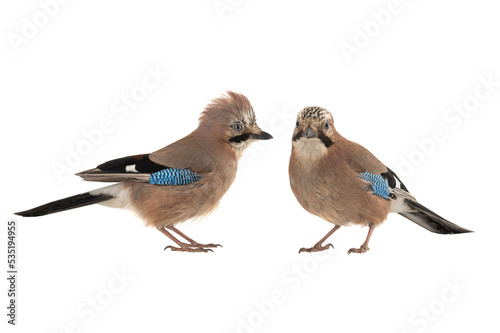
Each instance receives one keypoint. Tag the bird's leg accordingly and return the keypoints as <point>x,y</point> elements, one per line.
<point>318,246</point>
<point>364,247</point>
<point>192,242</point>
<point>182,246</point>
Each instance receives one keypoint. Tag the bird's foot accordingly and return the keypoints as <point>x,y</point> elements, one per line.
<point>316,248</point>
<point>188,249</point>
<point>362,249</point>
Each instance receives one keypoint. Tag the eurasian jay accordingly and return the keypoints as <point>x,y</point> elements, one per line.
<point>344,184</point>
<point>184,180</point>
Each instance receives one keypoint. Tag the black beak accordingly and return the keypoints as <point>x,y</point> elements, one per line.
<point>261,136</point>
<point>309,133</point>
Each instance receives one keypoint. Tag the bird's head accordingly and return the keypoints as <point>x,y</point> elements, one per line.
<point>314,132</point>
<point>231,119</point>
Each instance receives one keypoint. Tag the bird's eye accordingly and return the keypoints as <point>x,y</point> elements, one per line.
<point>297,124</point>
<point>327,126</point>
<point>237,127</point>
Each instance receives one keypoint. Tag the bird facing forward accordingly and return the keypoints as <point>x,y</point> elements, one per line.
<point>182,181</point>
<point>344,184</point>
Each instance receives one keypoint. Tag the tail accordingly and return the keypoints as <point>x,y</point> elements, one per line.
<point>76,201</point>
<point>429,220</point>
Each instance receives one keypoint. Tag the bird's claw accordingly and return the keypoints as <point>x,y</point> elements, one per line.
<point>205,245</point>
<point>362,249</point>
<point>187,249</point>
<point>316,248</point>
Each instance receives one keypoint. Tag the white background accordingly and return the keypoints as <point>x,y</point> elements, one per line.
<point>283,55</point>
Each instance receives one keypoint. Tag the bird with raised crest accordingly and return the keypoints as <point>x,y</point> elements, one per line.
<point>344,184</point>
<point>182,181</point>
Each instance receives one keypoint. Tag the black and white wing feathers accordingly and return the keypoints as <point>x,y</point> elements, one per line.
<point>136,167</point>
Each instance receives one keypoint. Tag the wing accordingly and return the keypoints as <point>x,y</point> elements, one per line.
<point>386,185</point>
<point>140,168</point>
<point>185,154</point>
<point>180,163</point>
<point>381,180</point>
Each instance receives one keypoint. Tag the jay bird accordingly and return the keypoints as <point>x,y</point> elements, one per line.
<point>184,180</point>
<point>344,184</point>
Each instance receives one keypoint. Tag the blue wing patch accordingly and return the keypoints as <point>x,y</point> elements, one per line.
<point>379,186</point>
<point>172,176</point>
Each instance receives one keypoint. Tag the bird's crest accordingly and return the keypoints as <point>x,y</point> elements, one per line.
<point>229,106</point>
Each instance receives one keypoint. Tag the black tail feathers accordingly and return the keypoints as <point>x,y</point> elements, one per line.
<point>75,201</point>
<point>429,220</point>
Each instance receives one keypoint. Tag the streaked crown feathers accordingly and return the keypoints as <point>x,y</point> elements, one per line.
<point>313,113</point>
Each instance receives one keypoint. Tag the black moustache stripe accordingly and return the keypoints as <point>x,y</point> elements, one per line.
<point>326,140</point>
<point>240,138</point>
<point>298,135</point>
